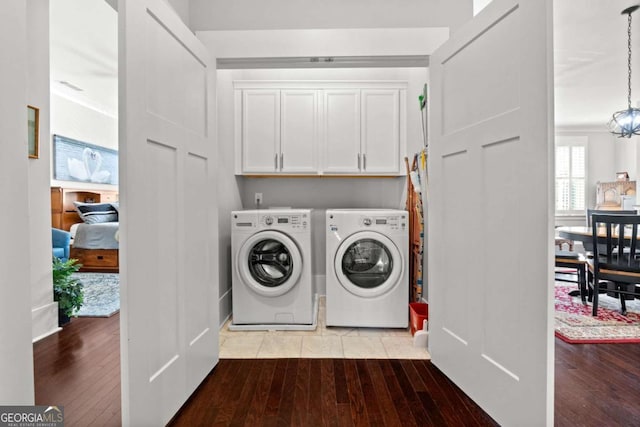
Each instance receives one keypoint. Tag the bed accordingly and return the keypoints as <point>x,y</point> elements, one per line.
<point>95,236</point>
<point>92,219</point>
<point>95,246</point>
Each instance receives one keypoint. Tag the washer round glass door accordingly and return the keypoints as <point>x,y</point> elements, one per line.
<point>368,264</point>
<point>270,263</point>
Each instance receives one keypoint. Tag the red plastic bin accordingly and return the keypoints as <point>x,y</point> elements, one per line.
<point>418,313</point>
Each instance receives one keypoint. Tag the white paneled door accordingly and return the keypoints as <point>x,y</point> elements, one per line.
<point>490,211</point>
<point>16,348</point>
<point>168,237</point>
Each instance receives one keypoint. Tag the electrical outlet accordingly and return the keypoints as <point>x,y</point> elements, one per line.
<point>258,199</point>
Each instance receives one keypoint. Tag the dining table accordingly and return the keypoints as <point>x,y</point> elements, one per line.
<point>585,234</point>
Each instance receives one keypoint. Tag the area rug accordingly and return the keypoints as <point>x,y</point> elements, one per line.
<point>575,324</point>
<point>101,294</point>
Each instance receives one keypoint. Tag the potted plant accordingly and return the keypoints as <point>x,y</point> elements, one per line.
<point>67,291</point>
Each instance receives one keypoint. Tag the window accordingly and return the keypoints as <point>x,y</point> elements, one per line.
<point>571,165</point>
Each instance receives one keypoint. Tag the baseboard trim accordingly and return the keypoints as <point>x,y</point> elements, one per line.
<point>44,321</point>
<point>54,331</point>
<point>224,305</point>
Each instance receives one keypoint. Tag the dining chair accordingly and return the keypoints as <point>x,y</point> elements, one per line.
<point>588,246</point>
<point>575,261</point>
<point>615,257</point>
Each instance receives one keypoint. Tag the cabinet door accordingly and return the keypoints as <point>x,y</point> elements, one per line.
<point>299,131</point>
<point>260,130</point>
<point>342,131</point>
<point>380,131</point>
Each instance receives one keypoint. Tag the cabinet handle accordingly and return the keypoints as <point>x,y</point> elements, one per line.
<point>275,159</point>
<point>358,161</point>
<point>281,161</point>
<point>364,162</point>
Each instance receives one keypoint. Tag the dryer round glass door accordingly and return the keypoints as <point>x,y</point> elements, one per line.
<point>270,263</point>
<point>368,264</point>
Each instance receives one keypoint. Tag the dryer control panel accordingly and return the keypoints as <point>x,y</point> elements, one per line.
<point>293,221</point>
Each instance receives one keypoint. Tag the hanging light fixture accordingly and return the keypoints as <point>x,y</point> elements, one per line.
<point>626,123</point>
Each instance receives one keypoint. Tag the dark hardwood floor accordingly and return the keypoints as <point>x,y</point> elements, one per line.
<point>327,392</point>
<point>79,368</point>
<point>597,384</point>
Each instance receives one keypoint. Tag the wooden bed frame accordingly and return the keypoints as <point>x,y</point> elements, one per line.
<point>64,215</point>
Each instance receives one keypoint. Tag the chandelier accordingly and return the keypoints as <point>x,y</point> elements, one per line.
<point>626,123</point>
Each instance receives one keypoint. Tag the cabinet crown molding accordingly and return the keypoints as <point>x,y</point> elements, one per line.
<point>320,84</point>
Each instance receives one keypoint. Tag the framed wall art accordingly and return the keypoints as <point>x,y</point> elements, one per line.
<point>75,160</point>
<point>33,119</point>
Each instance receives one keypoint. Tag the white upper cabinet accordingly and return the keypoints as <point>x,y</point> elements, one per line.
<point>260,130</point>
<point>298,131</point>
<point>362,131</point>
<point>380,124</point>
<point>341,131</point>
<point>320,127</point>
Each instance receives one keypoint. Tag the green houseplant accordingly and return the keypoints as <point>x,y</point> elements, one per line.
<point>67,291</point>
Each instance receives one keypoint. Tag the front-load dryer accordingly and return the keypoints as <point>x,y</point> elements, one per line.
<point>367,268</point>
<point>272,274</point>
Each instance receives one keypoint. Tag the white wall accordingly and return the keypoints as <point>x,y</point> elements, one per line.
<point>228,187</point>
<point>367,42</point>
<point>182,9</point>
<point>16,350</point>
<point>77,121</point>
<point>626,156</point>
<point>81,122</point>
<point>44,309</point>
<point>300,14</point>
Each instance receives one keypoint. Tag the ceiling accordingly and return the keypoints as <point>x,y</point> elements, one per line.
<point>84,53</point>
<point>590,55</point>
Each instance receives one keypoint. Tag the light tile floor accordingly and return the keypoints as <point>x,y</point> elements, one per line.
<point>324,342</point>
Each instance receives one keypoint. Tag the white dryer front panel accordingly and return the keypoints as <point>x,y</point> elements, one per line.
<point>368,264</point>
<point>269,263</point>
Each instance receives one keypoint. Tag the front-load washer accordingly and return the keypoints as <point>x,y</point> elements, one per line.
<point>367,268</point>
<point>272,271</point>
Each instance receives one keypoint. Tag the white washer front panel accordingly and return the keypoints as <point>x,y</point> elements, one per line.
<point>269,263</point>
<point>368,264</point>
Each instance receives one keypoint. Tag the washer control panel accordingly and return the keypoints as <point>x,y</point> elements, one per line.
<point>393,222</point>
<point>293,221</point>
